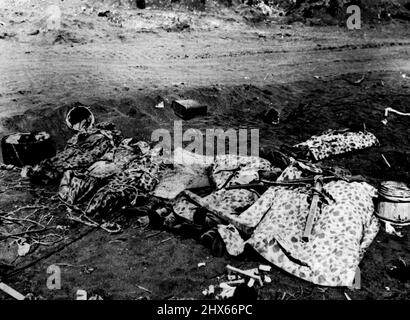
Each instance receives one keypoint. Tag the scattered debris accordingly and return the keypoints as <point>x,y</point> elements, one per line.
<point>166,240</point>
<point>88,270</point>
<point>211,289</point>
<point>160,105</point>
<point>111,227</point>
<point>347,296</point>
<point>356,82</point>
<point>8,167</point>
<point>226,293</point>
<point>391,110</point>
<point>95,297</point>
<point>391,230</point>
<point>23,248</point>
<point>244,272</point>
<point>264,267</point>
<point>251,282</point>
<point>32,297</point>
<point>81,294</point>
<point>234,282</point>
<point>385,161</point>
<point>144,289</point>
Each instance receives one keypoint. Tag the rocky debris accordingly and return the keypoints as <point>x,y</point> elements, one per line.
<point>5,33</point>
<point>320,12</point>
<point>177,25</point>
<point>113,18</point>
<point>64,36</point>
<point>324,12</point>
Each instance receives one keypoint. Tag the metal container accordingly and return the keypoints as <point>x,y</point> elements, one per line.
<point>20,149</point>
<point>394,202</point>
<point>188,109</point>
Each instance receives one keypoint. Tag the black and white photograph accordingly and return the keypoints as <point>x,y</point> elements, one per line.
<point>224,151</point>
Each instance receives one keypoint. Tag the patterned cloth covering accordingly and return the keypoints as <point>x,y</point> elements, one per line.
<point>135,182</point>
<point>336,142</point>
<point>102,170</point>
<point>227,204</point>
<point>132,175</point>
<point>81,151</point>
<point>342,231</point>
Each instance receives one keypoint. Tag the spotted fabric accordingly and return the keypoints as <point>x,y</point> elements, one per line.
<point>341,233</point>
<point>76,187</point>
<point>81,151</point>
<point>134,183</point>
<point>250,218</point>
<point>336,142</point>
<point>104,172</point>
<point>232,238</point>
<point>122,191</point>
<point>233,170</point>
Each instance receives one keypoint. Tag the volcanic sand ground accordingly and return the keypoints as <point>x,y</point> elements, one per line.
<point>238,70</point>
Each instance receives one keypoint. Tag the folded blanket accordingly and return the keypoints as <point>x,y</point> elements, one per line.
<point>336,142</point>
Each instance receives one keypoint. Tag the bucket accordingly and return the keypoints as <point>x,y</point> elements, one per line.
<point>80,118</point>
<point>394,202</point>
<point>20,149</point>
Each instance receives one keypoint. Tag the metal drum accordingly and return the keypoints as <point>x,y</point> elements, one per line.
<point>394,202</point>
<point>22,149</point>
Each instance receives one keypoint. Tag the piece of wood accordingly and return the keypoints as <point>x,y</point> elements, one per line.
<point>10,291</point>
<point>234,282</point>
<point>264,267</point>
<point>245,273</point>
<point>313,209</point>
<point>197,200</point>
<point>385,160</point>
